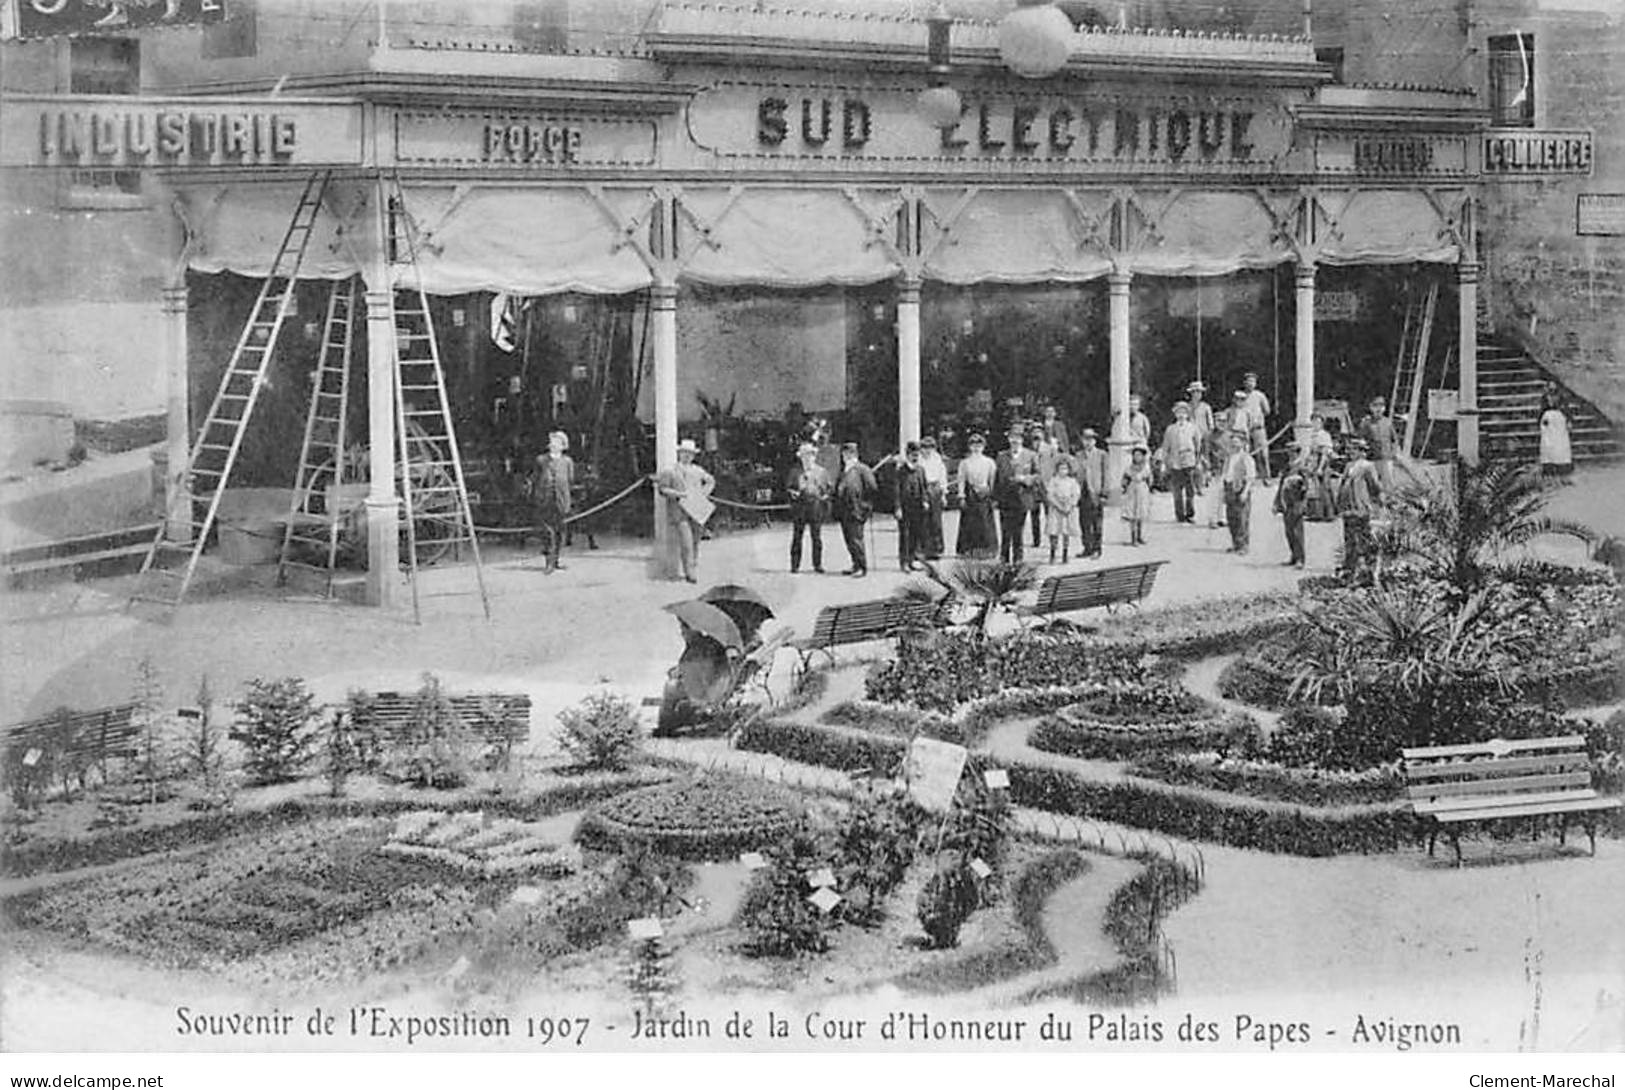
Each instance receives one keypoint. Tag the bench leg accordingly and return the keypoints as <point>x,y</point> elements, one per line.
<point>1455,842</point>
<point>1562,831</point>
<point>1591,833</point>
<point>1433,835</point>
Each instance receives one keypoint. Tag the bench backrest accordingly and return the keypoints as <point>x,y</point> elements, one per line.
<point>1499,767</point>
<point>98,735</point>
<point>860,621</point>
<point>493,716</point>
<point>1100,587</point>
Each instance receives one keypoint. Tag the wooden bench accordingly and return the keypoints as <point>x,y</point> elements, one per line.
<point>860,622</point>
<point>69,743</point>
<point>496,718</point>
<point>1109,587</point>
<point>1451,787</point>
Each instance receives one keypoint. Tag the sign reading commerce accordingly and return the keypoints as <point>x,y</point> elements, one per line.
<point>116,131</point>
<point>1531,152</point>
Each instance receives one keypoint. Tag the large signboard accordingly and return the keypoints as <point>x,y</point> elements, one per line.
<point>54,18</point>
<point>1387,155</point>
<point>1532,153</point>
<point>112,131</point>
<point>1172,132</point>
<point>1599,214</point>
<point>522,141</point>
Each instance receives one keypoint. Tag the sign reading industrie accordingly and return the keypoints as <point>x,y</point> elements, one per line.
<point>51,18</point>
<point>84,131</point>
<point>1172,132</point>
<point>1534,152</point>
<point>522,140</point>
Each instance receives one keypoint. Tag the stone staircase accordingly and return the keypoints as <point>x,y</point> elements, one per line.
<point>1510,385</point>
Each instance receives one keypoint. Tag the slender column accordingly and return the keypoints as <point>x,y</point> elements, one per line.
<point>908,360</point>
<point>1304,283</point>
<point>1117,283</point>
<point>383,503</point>
<point>178,425</point>
<point>663,303</point>
<point>1467,352</point>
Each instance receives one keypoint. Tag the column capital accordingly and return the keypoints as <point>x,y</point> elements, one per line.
<point>1118,279</point>
<point>1467,272</point>
<point>908,289</point>
<point>1303,275</point>
<point>379,304</point>
<point>176,299</point>
<point>663,294</point>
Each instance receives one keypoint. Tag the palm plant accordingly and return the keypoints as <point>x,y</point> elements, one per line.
<point>1456,527</point>
<point>985,584</point>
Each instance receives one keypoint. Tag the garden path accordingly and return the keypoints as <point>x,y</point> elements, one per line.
<point>1202,678</point>
<point>1071,921</point>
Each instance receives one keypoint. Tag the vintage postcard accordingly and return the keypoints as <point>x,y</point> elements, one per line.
<point>639,526</point>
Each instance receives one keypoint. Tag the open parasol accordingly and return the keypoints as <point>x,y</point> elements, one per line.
<point>748,610</point>
<point>705,619</point>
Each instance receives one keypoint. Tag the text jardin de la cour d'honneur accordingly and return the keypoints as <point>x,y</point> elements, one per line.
<point>390,1027</point>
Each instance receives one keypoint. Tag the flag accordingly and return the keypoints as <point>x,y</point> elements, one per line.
<point>504,321</point>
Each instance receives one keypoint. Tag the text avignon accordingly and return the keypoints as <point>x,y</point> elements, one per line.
<point>164,137</point>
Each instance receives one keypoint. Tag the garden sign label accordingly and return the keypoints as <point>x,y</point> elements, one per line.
<point>933,772</point>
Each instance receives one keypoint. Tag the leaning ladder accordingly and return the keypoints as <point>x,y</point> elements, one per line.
<point>1409,369</point>
<point>433,488</point>
<point>316,515</point>
<point>214,452</point>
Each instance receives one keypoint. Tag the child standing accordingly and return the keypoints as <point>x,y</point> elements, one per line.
<point>1137,493</point>
<point>1062,495</point>
<point>1291,500</point>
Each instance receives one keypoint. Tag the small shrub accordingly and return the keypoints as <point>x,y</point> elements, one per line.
<point>947,901</point>
<point>434,749</point>
<point>273,725</point>
<point>875,843</point>
<point>1305,738</point>
<point>205,751</point>
<point>710,816</point>
<point>602,731</point>
<point>776,915</point>
<point>365,737</point>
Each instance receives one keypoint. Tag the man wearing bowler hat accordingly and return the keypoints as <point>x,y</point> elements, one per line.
<point>1090,462</point>
<point>855,494</point>
<point>1015,489</point>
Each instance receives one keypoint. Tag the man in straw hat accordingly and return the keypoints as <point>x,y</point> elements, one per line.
<point>1202,417</point>
<point>550,492</point>
<point>809,487</point>
<point>687,489</point>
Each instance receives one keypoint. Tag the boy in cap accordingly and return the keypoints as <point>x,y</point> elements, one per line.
<point>1237,482</point>
<point>1181,446</point>
<point>1291,502</point>
<point>810,488</point>
<point>1202,417</point>
<point>682,485</point>
<point>550,490</point>
<point>855,494</point>
<point>1091,465</point>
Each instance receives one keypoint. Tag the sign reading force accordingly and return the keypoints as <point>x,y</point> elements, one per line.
<point>114,131</point>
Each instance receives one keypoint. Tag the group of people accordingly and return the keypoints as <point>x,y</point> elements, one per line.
<point>1043,486</point>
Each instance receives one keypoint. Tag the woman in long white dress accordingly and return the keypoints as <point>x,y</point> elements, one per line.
<point>1556,455</point>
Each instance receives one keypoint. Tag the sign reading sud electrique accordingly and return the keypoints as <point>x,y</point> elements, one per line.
<point>1171,132</point>
<point>84,131</point>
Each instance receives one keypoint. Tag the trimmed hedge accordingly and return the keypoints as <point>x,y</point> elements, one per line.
<point>1077,735</point>
<point>1237,824</point>
<point>708,817</point>
<point>117,844</point>
<point>1270,780</point>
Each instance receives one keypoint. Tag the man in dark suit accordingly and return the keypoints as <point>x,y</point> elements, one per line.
<point>1015,490</point>
<point>854,501</point>
<point>1090,461</point>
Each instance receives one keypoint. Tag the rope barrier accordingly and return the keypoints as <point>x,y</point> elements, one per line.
<point>750,506</point>
<point>588,513</point>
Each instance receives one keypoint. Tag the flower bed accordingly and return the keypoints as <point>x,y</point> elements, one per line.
<point>1271,779</point>
<point>947,673</point>
<point>479,845</point>
<point>1199,629</point>
<point>113,844</point>
<point>1125,720</point>
<point>706,817</point>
